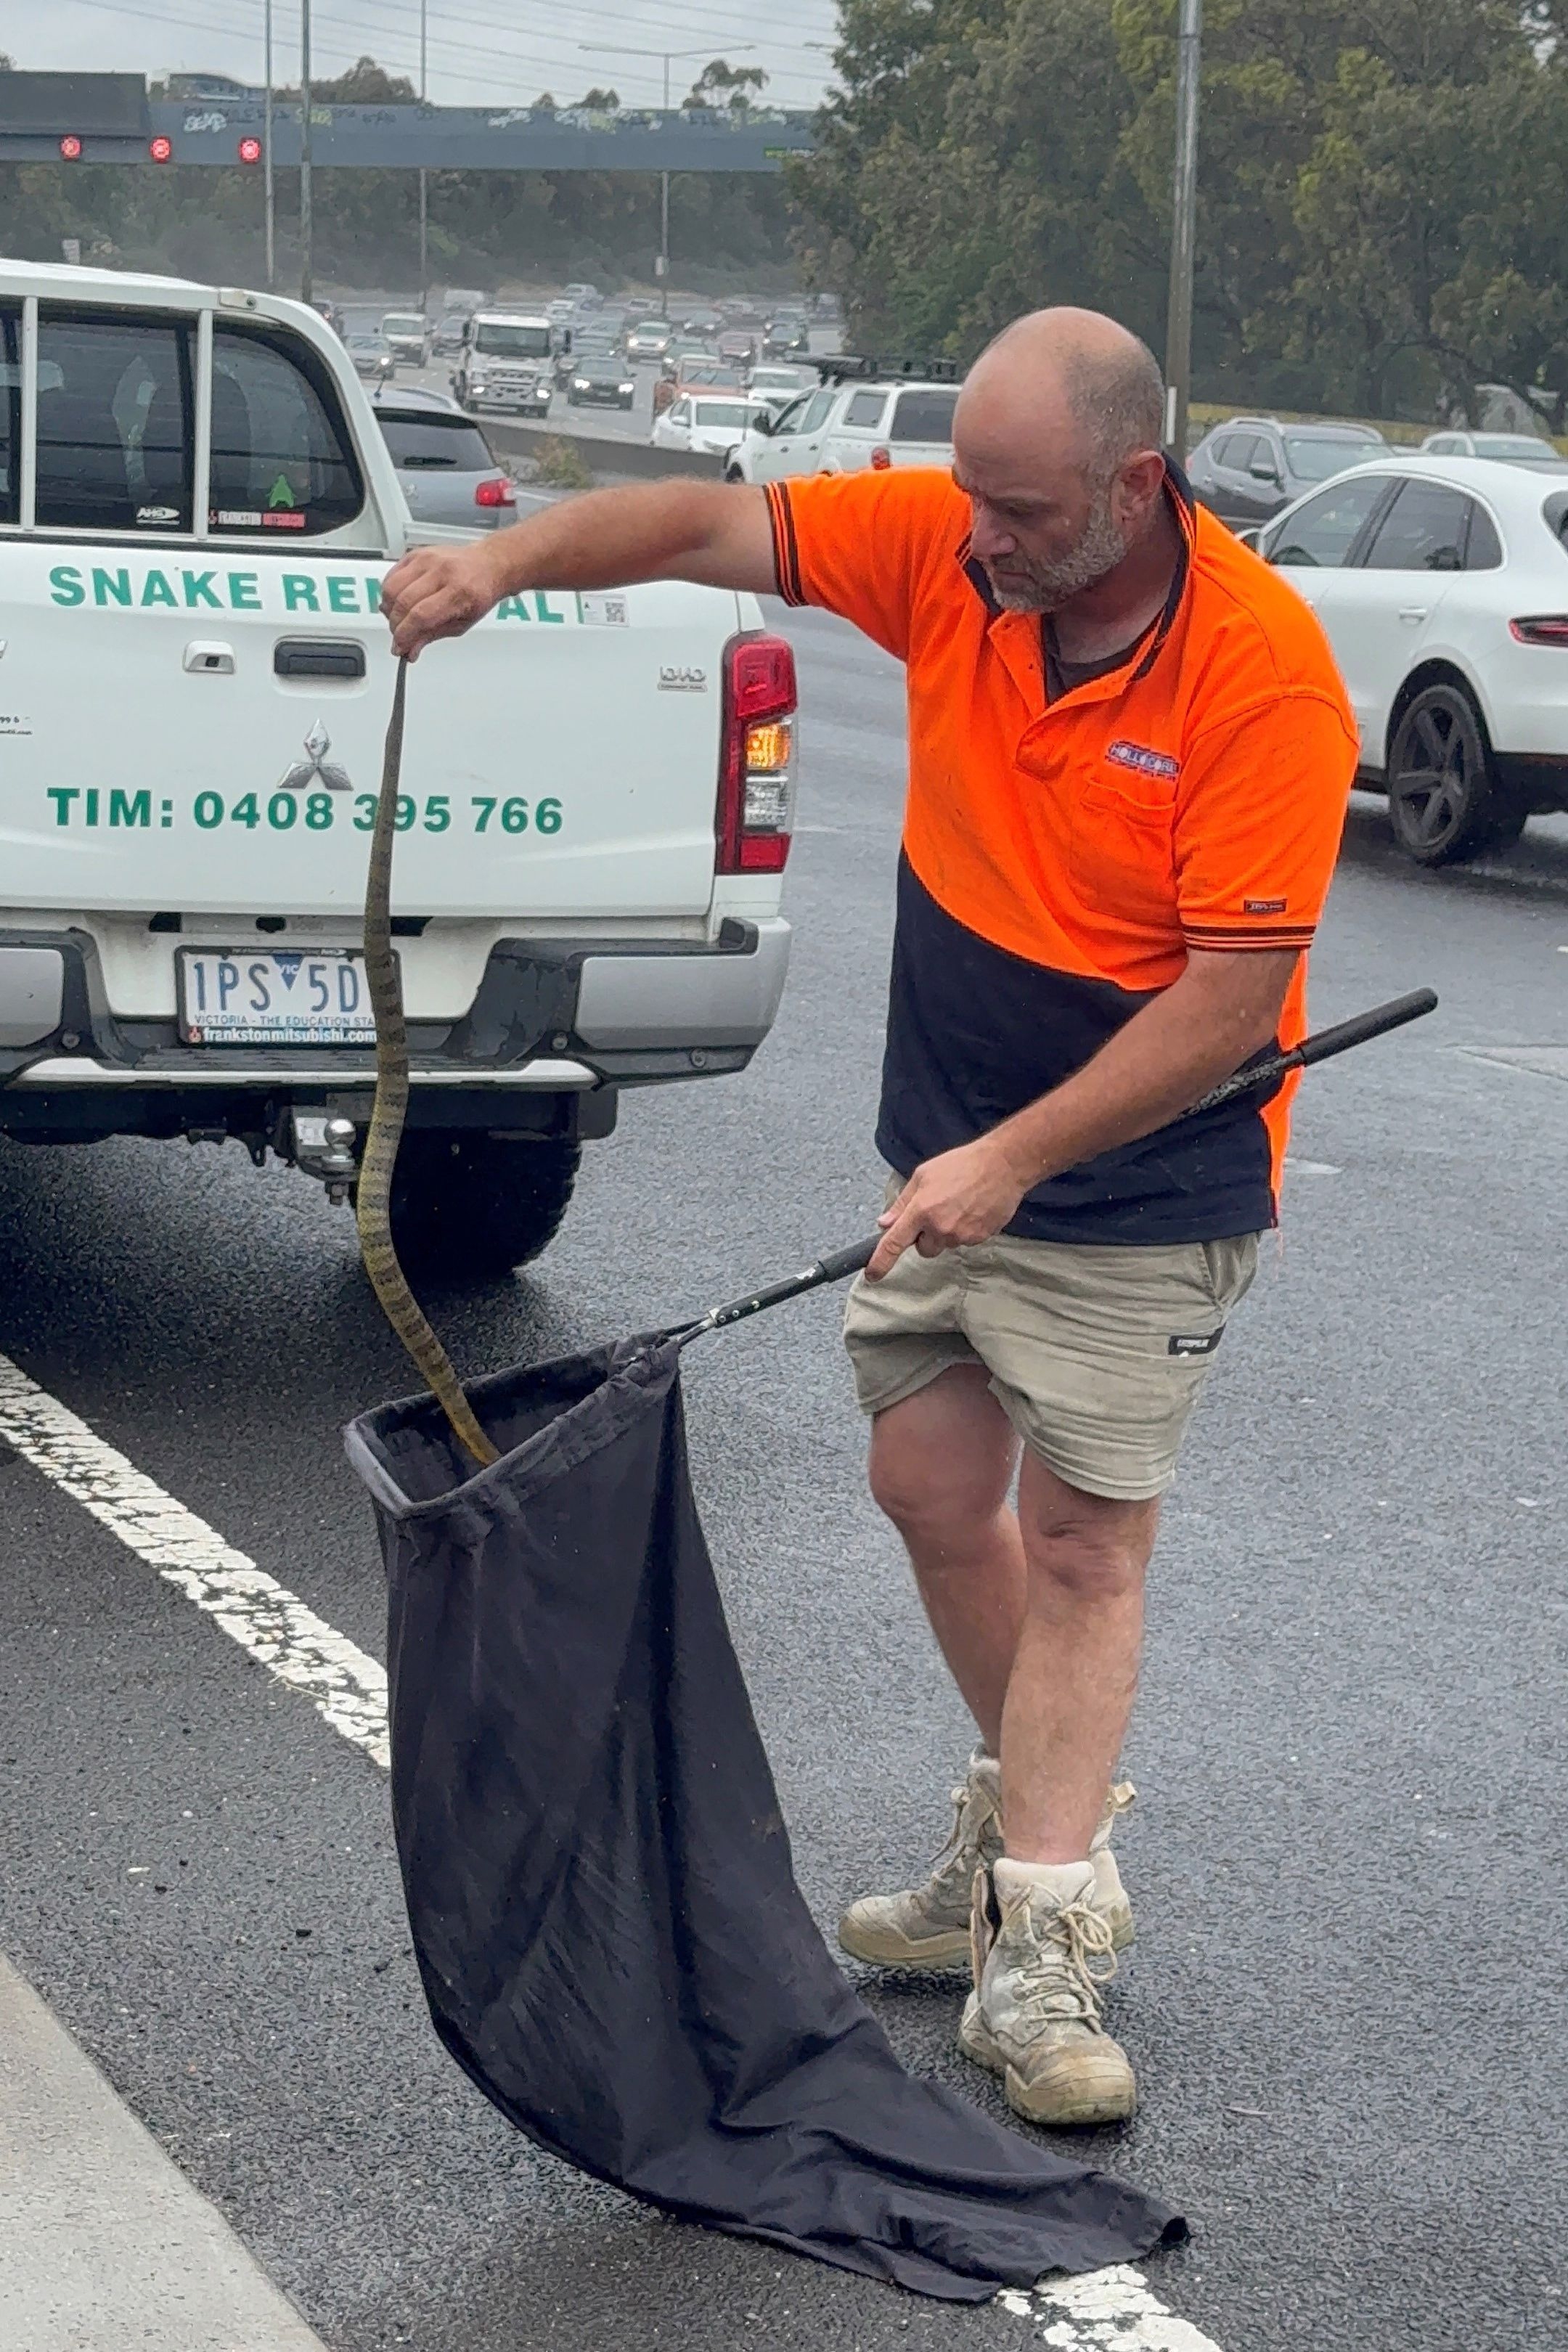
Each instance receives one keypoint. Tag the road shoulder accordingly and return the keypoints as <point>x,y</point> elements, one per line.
<point>103,2242</point>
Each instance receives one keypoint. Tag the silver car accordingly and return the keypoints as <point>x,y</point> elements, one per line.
<point>446,466</point>
<point>372,354</point>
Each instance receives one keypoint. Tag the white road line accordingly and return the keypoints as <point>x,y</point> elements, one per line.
<point>1107,2311</point>
<point>1110,2311</point>
<point>273,1624</point>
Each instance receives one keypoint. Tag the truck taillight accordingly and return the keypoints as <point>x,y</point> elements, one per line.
<point>496,492</point>
<point>756,788</point>
<point>881,459</point>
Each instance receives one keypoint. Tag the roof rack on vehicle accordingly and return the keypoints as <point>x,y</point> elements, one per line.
<point>850,367</point>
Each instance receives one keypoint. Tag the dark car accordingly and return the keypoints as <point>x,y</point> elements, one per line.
<point>1247,469</point>
<point>601,383</point>
<point>736,345</point>
<point>787,336</point>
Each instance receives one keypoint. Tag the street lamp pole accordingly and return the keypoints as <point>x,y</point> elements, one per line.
<point>423,177</point>
<point>306,222</point>
<point>1184,229</point>
<point>666,57</point>
<point>266,203</point>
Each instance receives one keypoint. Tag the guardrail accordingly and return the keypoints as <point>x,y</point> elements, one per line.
<point>635,461</point>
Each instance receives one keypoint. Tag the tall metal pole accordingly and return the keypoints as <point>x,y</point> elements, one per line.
<point>424,176</point>
<point>267,197</point>
<point>664,216</point>
<point>1184,228</point>
<point>306,223</point>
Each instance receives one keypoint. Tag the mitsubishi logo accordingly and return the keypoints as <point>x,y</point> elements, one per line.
<point>315,768</point>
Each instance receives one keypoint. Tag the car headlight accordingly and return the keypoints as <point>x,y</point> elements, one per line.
<point>579,383</point>
<point>629,387</point>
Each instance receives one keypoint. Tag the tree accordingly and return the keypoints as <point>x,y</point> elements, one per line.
<point>366,84</point>
<point>720,78</point>
<point>602,101</point>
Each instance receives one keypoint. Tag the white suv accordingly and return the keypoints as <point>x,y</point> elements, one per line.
<point>843,427</point>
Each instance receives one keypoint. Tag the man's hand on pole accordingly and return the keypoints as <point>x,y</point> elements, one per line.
<point>968,1195</point>
<point>439,592</point>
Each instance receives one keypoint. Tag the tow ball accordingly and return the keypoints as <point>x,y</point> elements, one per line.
<point>324,1145</point>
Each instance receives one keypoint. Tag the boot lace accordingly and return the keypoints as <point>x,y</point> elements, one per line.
<point>1071,1961</point>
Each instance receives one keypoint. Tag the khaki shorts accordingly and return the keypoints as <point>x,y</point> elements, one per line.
<point>1095,1354</point>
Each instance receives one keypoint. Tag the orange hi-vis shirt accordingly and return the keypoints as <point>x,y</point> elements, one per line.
<point>1062,855</point>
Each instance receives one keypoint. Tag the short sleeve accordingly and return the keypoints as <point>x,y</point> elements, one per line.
<point>859,544</point>
<point>1260,807</point>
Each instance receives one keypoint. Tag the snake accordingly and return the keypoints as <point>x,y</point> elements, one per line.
<point>373,1200</point>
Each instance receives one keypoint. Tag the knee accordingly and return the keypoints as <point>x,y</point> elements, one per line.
<point>924,1493</point>
<point>1080,1566</point>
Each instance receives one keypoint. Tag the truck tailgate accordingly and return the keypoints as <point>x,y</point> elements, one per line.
<point>184,730</point>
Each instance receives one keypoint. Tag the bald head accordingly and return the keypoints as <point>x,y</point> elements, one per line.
<point>1066,373</point>
<point>1056,441</point>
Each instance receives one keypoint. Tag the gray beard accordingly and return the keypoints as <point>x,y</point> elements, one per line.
<point>1051,585</point>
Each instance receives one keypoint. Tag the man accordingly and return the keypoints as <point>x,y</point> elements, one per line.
<point>1130,754</point>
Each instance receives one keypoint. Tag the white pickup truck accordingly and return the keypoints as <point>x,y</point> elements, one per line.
<point>196,511</point>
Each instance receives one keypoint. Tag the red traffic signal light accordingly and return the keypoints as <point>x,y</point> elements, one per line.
<point>251,151</point>
<point>70,147</point>
<point>160,149</point>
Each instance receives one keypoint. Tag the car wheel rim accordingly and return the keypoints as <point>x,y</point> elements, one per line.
<point>1435,786</point>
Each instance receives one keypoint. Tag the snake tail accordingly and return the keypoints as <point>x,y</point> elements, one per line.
<point>372,1203</point>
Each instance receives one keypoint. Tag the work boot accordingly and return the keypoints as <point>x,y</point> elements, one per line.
<point>928,1926</point>
<point>1042,1957</point>
<point>1109,1895</point>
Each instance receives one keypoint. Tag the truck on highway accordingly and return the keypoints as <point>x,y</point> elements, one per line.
<point>196,513</point>
<point>507,361</point>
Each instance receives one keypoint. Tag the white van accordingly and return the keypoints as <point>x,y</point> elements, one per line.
<point>197,512</point>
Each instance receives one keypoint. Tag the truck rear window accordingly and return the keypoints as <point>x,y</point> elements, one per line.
<point>924,417</point>
<point>115,407</point>
<point>282,457</point>
<point>450,441</point>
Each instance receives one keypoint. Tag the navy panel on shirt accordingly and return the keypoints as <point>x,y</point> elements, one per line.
<point>975,1034</point>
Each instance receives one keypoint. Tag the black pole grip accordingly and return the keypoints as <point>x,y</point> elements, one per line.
<point>853,1260</point>
<point>1364,1026</point>
<point>1320,1048</point>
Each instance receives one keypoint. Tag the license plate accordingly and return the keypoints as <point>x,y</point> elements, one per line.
<point>277,996</point>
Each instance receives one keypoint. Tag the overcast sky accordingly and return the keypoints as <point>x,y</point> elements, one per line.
<point>506,50</point>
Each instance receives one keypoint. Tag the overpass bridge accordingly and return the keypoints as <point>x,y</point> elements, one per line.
<point>84,119</point>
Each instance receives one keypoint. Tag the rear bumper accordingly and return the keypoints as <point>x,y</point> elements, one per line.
<point>550,1022</point>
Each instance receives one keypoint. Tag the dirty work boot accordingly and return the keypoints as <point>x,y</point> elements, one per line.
<point>1042,1957</point>
<point>928,1926</point>
<point>1109,1894</point>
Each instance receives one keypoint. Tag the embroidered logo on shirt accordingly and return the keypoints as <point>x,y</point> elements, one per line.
<point>1147,763</point>
<point>1263,906</point>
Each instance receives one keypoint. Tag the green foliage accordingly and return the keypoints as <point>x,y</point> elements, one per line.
<point>561,464</point>
<point>1382,186</point>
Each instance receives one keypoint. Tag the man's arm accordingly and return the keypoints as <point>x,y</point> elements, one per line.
<point>716,533</point>
<point>1194,1032</point>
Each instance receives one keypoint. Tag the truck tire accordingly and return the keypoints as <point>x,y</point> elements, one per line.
<point>468,1205</point>
<point>1445,799</point>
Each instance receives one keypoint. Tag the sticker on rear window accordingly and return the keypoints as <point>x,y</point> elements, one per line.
<point>157,514</point>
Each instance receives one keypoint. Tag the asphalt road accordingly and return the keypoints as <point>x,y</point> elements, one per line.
<point>1347,2001</point>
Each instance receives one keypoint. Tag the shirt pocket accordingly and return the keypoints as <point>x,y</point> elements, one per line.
<point>1122,853</point>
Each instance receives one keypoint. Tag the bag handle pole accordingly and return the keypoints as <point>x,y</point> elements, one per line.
<point>1322,1048</point>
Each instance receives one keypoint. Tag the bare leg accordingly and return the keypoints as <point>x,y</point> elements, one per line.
<point>941,1468</point>
<point>1076,1665</point>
